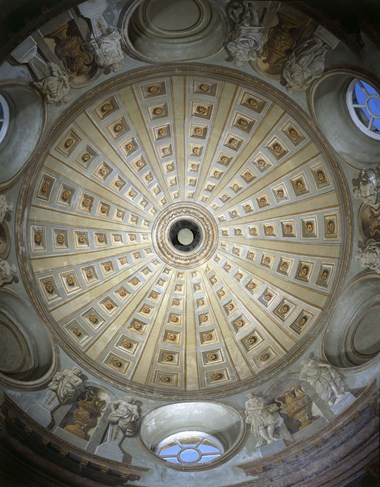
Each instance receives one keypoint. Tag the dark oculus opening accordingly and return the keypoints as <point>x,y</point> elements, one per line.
<point>185,235</point>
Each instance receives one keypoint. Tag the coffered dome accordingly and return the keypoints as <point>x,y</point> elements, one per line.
<point>185,231</point>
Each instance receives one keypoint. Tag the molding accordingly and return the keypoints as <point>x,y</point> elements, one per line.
<point>332,456</point>
<point>221,74</point>
<point>44,443</point>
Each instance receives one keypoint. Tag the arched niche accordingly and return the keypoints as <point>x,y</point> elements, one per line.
<point>174,30</point>
<point>27,355</point>
<point>5,241</point>
<point>351,338</point>
<point>218,423</point>
<point>27,117</point>
<point>328,104</point>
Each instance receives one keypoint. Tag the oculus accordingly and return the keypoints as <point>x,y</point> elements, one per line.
<point>363,102</point>
<point>190,448</point>
<point>4,118</point>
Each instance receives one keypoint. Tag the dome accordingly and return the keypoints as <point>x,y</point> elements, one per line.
<point>189,243</point>
<point>136,162</point>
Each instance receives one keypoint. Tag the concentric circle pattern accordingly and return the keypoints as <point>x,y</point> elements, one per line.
<point>212,147</point>
<point>205,235</point>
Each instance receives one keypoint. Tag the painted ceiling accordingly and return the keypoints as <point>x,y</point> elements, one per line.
<point>205,144</point>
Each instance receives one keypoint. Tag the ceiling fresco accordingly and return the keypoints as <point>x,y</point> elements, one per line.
<point>189,255</point>
<point>184,231</point>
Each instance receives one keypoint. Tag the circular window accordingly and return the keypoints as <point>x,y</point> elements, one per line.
<point>190,448</point>
<point>192,435</point>
<point>4,118</point>
<point>363,101</point>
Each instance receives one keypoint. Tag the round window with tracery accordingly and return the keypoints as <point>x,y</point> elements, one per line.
<point>363,101</point>
<point>190,448</point>
<point>4,118</point>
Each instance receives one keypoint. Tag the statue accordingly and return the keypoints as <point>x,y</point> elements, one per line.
<point>324,379</point>
<point>67,385</point>
<point>5,208</point>
<point>367,187</point>
<point>107,49</point>
<point>123,418</point>
<point>369,254</point>
<point>247,38</point>
<point>263,418</point>
<point>305,64</point>
<point>7,272</point>
<point>55,87</point>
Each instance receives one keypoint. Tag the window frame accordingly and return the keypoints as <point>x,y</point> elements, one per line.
<point>355,111</point>
<point>4,119</point>
<point>179,438</point>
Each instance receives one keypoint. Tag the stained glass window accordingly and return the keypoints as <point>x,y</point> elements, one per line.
<point>4,118</point>
<point>363,101</point>
<point>190,448</point>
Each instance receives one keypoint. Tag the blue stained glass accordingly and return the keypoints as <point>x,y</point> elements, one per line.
<point>369,97</point>
<point>189,456</point>
<point>376,124</point>
<point>370,89</point>
<point>360,94</point>
<point>189,448</point>
<point>170,450</point>
<point>374,106</point>
<point>208,449</point>
<point>366,118</point>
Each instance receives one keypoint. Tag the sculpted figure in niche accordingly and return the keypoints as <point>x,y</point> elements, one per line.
<point>55,87</point>
<point>264,419</point>
<point>247,38</point>
<point>5,208</point>
<point>123,418</point>
<point>324,379</point>
<point>305,64</point>
<point>7,272</point>
<point>369,254</point>
<point>67,385</point>
<point>367,187</point>
<point>108,52</point>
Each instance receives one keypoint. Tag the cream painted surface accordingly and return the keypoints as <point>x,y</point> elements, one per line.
<point>227,95</point>
<point>65,309</point>
<point>150,347</point>
<point>180,97</point>
<point>115,326</point>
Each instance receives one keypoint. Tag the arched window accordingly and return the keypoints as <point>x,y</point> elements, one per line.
<point>4,118</point>
<point>190,448</point>
<point>363,101</point>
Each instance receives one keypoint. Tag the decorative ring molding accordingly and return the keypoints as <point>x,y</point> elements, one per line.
<point>209,235</point>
